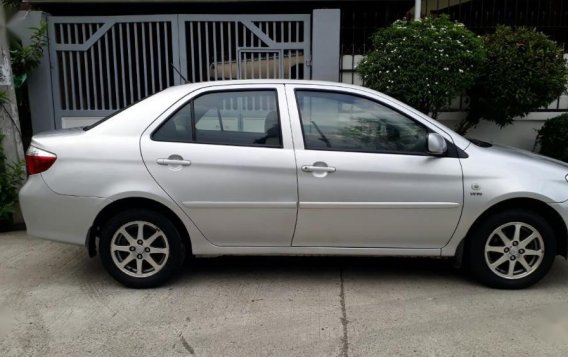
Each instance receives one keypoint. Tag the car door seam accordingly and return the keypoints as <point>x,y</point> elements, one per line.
<point>285,88</point>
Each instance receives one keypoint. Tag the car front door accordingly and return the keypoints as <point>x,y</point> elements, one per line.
<point>365,177</point>
<point>226,157</point>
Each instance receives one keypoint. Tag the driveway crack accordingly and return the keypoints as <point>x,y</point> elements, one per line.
<point>345,338</point>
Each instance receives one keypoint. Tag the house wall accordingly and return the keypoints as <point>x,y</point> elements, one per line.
<point>39,82</point>
<point>522,133</point>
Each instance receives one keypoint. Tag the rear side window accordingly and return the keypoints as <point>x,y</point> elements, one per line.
<point>246,118</point>
<point>176,128</point>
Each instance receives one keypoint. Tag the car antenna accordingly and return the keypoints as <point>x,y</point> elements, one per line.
<point>178,72</point>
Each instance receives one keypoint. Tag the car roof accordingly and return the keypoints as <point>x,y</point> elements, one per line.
<point>269,81</point>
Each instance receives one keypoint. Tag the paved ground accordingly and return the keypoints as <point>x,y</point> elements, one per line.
<point>56,301</point>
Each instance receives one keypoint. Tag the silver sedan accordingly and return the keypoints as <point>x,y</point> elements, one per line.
<point>291,167</point>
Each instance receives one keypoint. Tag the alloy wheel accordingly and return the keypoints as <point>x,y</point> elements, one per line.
<point>514,250</point>
<point>139,249</point>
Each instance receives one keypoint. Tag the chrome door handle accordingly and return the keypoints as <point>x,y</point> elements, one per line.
<point>173,162</point>
<point>310,168</point>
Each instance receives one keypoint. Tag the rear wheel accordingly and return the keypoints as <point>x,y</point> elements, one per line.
<point>141,248</point>
<point>512,249</point>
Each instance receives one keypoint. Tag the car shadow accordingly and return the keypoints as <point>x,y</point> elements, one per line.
<point>397,270</point>
<point>297,267</point>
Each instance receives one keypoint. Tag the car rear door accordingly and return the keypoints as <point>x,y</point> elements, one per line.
<point>225,155</point>
<point>365,177</point>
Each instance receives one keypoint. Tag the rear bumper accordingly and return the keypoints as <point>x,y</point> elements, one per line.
<point>56,217</point>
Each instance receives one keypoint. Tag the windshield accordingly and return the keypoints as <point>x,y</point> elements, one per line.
<point>100,121</point>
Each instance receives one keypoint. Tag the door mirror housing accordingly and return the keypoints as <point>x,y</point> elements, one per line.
<point>436,144</point>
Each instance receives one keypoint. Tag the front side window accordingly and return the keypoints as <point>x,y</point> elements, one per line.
<point>344,122</point>
<point>247,118</point>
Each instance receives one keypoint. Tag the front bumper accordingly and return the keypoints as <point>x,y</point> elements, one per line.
<point>56,217</point>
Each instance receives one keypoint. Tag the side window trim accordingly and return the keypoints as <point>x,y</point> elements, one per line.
<point>359,95</point>
<point>192,121</point>
<point>191,103</point>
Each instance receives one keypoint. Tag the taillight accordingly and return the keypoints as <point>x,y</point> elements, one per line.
<point>38,160</point>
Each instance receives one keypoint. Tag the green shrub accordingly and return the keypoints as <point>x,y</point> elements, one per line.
<point>552,138</point>
<point>25,59</point>
<point>11,177</point>
<point>423,63</point>
<point>525,70</point>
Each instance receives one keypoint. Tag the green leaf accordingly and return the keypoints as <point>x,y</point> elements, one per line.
<point>20,80</point>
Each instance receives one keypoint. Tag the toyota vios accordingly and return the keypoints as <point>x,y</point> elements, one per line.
<point>291,167</point>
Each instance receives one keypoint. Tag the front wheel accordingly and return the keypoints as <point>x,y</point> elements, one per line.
<point>141,248</point>
<point>512,249</point>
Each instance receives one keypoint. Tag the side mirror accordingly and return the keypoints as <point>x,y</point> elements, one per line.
<point>436,144</point>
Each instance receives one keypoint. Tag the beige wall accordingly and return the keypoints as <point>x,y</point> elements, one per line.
<point>522,133</point>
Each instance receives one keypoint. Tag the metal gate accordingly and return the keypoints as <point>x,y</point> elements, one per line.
<point>102,64</point>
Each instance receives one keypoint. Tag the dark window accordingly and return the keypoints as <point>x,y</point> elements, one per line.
<point>344,122</point>
<point>248,118</point>
<point>177,128</point>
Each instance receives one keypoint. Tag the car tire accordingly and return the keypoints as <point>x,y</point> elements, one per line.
<point>501,258</point>
<point>141,248</point>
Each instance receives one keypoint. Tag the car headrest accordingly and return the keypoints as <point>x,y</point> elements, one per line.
<point>271,121</point>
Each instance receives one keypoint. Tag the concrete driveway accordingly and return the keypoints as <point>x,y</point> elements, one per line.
<point>54,300</point>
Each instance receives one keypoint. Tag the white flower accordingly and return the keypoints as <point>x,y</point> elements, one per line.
<point>446,69</point>
<point>461,70</point>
